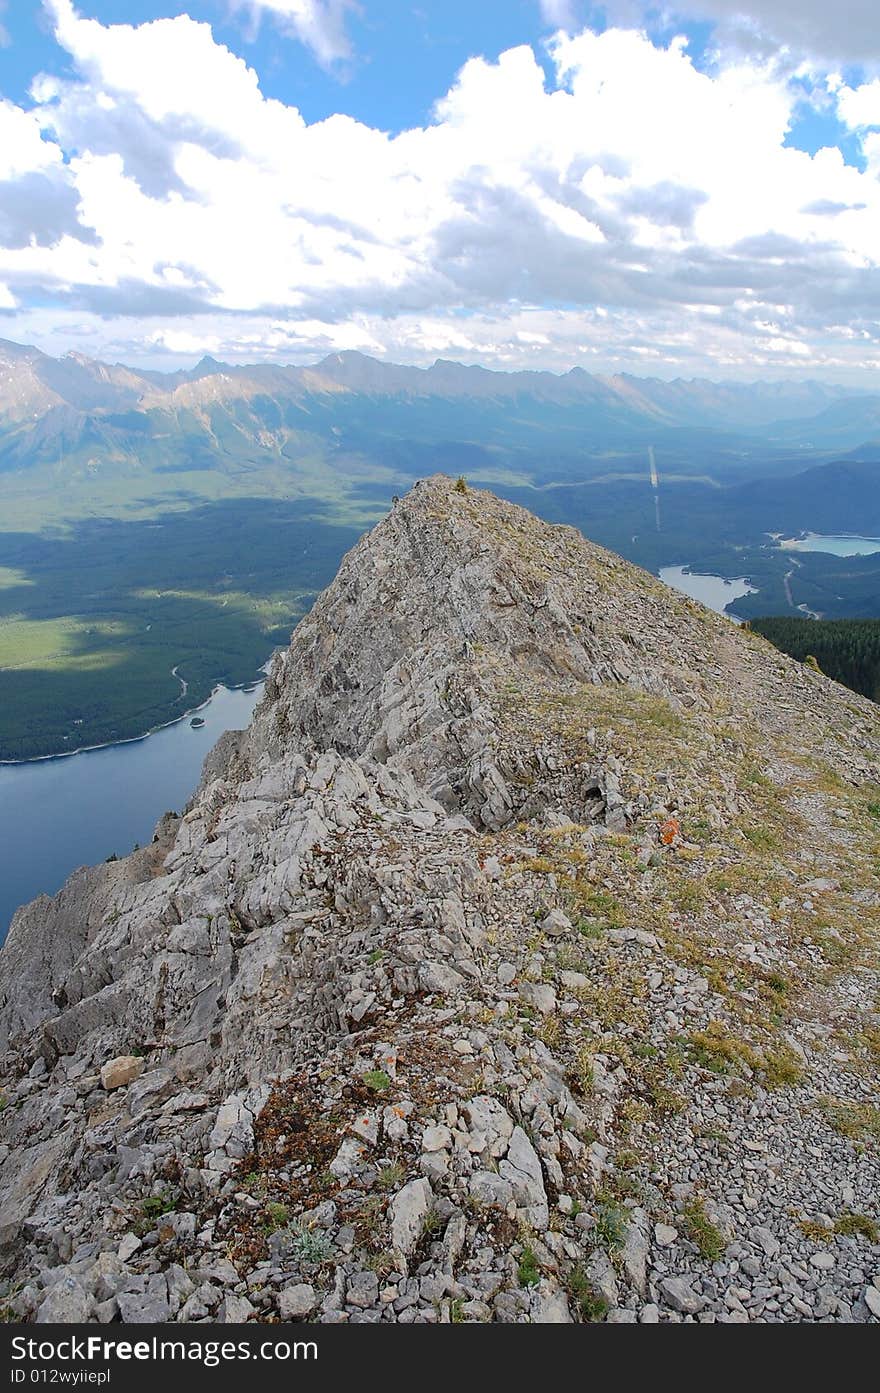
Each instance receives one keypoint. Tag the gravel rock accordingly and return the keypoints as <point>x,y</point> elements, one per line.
<point>681,1296</point>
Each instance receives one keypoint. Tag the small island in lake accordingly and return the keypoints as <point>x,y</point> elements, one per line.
<point>197,722</point>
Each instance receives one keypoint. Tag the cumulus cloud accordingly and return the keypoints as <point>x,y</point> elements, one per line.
<point>859,107</point>
<point>633,210</point>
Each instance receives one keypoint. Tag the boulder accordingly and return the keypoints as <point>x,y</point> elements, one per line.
<point>122,1070</point>
<point>296,1302</point>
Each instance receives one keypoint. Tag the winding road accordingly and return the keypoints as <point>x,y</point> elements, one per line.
<point>786,581</point>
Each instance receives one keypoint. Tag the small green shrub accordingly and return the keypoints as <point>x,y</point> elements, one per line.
<point>590,1305</point>
<point>720,1052</point>
<point>390,1177</point>
<point>760,837</point>
<point>610,1229</point>
<point>377,1080</point>
<point>857,1225</point>
<point>853,1120</point>
<point>777,983</point>
<point>157,1205</point>
<point>528,1271</point>
<point>781,1068</point>
<point>308,1246</point>
<point>432,1223</point>
<point>701,1231</point>
<point>276,1216</point>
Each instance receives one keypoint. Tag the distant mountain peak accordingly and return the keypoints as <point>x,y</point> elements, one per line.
<point>35,384</point>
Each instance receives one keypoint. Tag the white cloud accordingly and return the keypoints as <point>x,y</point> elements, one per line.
<point>859,107</point>
<point>319,24</point>
<point>22,149</point>
<point>558,13</point>
<point>168,71</point>
<point>637,204</point>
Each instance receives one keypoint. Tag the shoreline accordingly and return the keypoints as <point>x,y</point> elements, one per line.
<point>136,739</point>
<point>796,543</point>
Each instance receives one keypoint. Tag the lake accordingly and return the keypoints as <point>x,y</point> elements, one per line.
<point>76,810</point>
<point>713,591</point>
<point>835,545</point>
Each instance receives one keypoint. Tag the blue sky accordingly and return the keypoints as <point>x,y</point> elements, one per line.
<point>515,182</point>
<point>404,56</point>
<point>381,84</point>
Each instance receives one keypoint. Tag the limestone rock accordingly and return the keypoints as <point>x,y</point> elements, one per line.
<point>409,1209</point>
<point>540,995</point>
<point>118,1072</point>
<point>66,1303</point>
<point>556,924</point>
<point>601,1273</point>
<point>234,1310</point>
<point>681,1296</point>
<point>522,1168</point>
<point>297,1301</point>
<point>634,1254</point>
<point>550,1305</point>
<point>148,1305</point>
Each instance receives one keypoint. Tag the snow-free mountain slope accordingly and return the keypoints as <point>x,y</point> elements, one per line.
<point>519,962</point>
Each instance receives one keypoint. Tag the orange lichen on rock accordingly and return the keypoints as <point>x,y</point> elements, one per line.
<point>669,830</point>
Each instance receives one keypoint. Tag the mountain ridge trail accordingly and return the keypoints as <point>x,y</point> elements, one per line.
<point>519,962</point>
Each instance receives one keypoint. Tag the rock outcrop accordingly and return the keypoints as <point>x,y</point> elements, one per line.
<point>519,962</point>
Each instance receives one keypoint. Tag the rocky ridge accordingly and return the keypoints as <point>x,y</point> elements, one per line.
<point>519,962</point>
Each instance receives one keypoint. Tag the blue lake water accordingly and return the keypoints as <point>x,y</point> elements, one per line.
<point>835,545</point>
<point>57,814</point>
<point>713,591</point>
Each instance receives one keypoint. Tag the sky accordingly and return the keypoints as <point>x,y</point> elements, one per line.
<point>689,189</point>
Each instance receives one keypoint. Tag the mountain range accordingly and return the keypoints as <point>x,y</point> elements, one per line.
<point>166,527</point>
<point>75,406</point>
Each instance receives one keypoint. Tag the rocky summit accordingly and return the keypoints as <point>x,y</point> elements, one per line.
<point>518,963</point>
